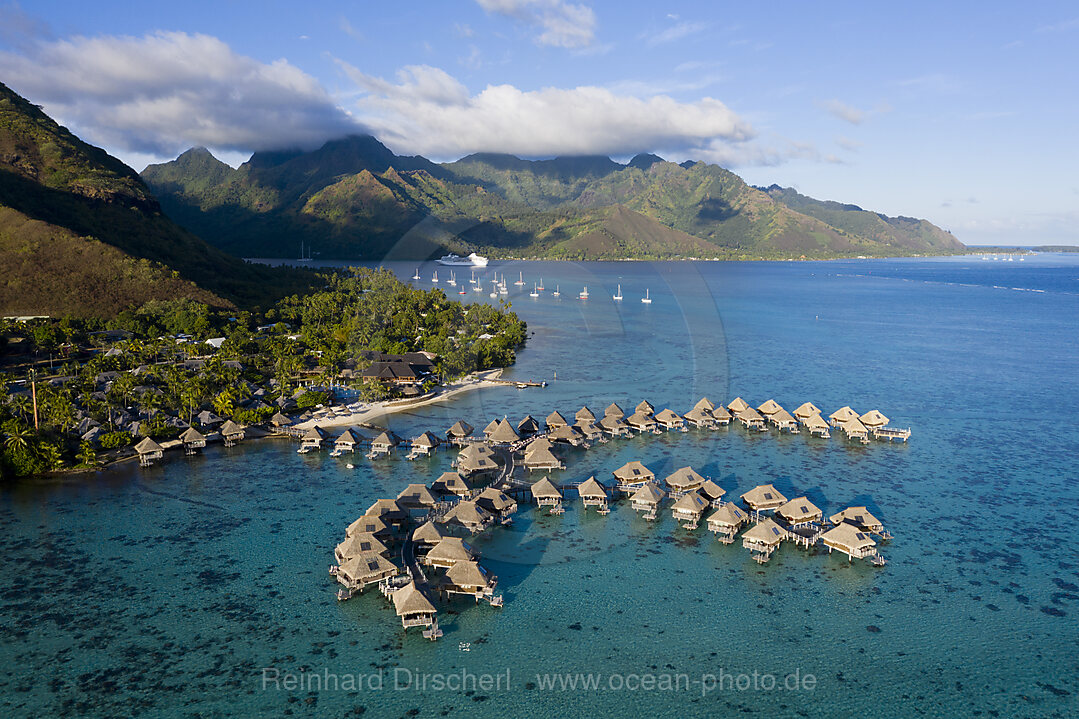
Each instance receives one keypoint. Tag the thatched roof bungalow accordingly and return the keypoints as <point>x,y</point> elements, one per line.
<point>645,408</point>
<point>737,405</point>
<point>476,459</point>
<point>449,551</point>
<point>751,419</point>
<point>528,426</point>
<point>541,458</point>
<point>769,408</point>
<point>496,502</point>
<point>555,420</point>
<point>647,498</point>
<point>426,443</point>
<point>641,421</point>
<point>416,496</point>
<point>684,480</point>
<point>614,425</point>
<point>588,429</point>
<point>700,417</point>
<point>873,419</point>
<point>312,438</point>
<point>231,432</point>
<point>192,440</point>
<point>491,427</point>
<point>357,544</point>
<point>764,537</point>
<point>363,569</point>
<point>450,483</point>
<point>726,520</point>
<point>592,493</point>
<point>413,607</point>
<point>468,578</point>
<point>148,450</point>
<point>799,511</point>
<point>850,540</point>
<point>721,415</point>
<point>854,429</point>
<point>584,414</point>
<point>613,410</point>
<point>567,435</point>
<point>468,515</point>
<point>764,497</point>
<point>817,426</point>
<point>459,430</point>
<point>712,492</point>
<point>346,441</point>
<point>388,510</point>
<point>859,517</point>
<point>632,475</point>
<point>503,434</point>
<point>546,493</point>
<point>783,420</point>
<point>805,411</point>
<point>704,403</point>
<point>841,415</point>
<point>689,508</point>
<point>368,524</point>
<point>427,534</point>
<point>669,419</point>
<point>385,442</point>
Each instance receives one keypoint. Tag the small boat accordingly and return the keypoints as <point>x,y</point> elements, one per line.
<point>541,285</point>
<point>434,277</point>
<point>452,281</point>
<point>477,288</point>
<point>618,295</point>
<point>521,280</point>
<point>556,293</point>
<point>646,299</point>
<point>584,293</point>
<point>473,280</point>
<point>534,292</point>
<point>350,465</point>
<point>417,275</point>
<point>461,292</point>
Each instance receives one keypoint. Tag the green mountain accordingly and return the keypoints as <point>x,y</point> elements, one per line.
<point>353,198</point>
<point>81,234</point>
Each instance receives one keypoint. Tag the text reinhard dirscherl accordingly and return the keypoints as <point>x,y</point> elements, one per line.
<point>401,679</point>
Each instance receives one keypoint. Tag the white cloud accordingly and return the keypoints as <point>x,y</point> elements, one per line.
<point>849,144</point>
<point>561,24</point>
<point>430,112</point>
<point>844,111</point>
<point>676,32</point>
<point>165,92</point>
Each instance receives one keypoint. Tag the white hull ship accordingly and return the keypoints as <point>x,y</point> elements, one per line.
<point>472,260</point>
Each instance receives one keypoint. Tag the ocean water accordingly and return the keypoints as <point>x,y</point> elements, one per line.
<point>170,591</point>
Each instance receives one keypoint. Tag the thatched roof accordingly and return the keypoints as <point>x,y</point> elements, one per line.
<point>416,495</point>
<point>847,538</point>
<point>192,436</point>
<point>721,413</point>
<point>494,499</point>
<point>668,416</point>
<point>450,483</point>
<point>367,524</point>
<point>858,516</point>
<point>460,429</point>
<point>537,444</point>
<point>503,433</point>
<point>584,413</point>
<point>467,514</point>
<point>728,516</point>
<point>705,404</point>
<point>359,543</point>
<point>613,410</point>
<point>386,439</point>
<point>684,479</point>
<point>280,420</point>
<point>633,471</point>
<point>566,433</point>
<point>473,462</point>
<point>491,427</point>
<point>315,433</point>
<point>477,450</point>
<point>750,415</point>
<point>348,437</point>
<point>528,425</point>
<point>711,491</point>
<point>815,421</point>
<point>799,509</point>
<point>554,419</point>
<point>843,414</point>
<point>450,549</point>
<point>467,574</point>
<point>690,502</point>
<point>766,532</point>
<point>545,489</point>
<point>409,600</point>
<point>806,409</point>
<point>764,496</point>
<point>385,508</point>
<point>640,419</point>
<point>426,440</point>
<point>769,407</point>
<point>230,429</point>
<point>541,457</point>
<point>649,493</point>
<point>698,415</point>
<point>147,445</point>
<point>427,533</point>
<point>873,419</point>
<point>644,407</point>
<point>737,405</point>
<point>854,427</point>
<point>591,489</point>
<point>366,568</point>
<point>612,423</point>
<point>782,417</point>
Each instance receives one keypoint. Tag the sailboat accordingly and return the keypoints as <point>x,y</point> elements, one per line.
<point>541,285</point>
<point>417,275</point>
<point>556,293</point>
<point>618,295</point>
<point>473,280</point>
<point>452,281</point>
<point>584,293</point>
<point>434,277</point>
<point>302,257</point>
<point>520,281</point>
<point>646,299</point>
<point>533,293</point>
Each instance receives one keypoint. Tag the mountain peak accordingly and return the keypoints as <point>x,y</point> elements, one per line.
<point>645,160</point>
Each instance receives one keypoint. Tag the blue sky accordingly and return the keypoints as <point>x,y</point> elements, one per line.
<point>964,113</point>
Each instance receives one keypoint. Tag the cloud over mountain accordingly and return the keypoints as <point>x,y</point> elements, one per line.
<point>165,92</point>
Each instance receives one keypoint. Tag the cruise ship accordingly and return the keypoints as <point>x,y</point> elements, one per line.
<point>472,260</point>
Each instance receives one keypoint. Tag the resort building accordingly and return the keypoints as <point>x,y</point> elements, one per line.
<point>469,578</point>
<point>280,421</point>
<point>800,511</point>
<point>547,495</point>
<point>712,492</point>
<point>588,429</point>
<point>762,539</point>
<point>705,404</point>
<point>632,476</point>
<point>817,426</point>
<point>459,431</point>
<point>413,607</point>
<point>614,426</point>
<point>369,525</point>
<point>769,408</point>
<point>855,430</point>
<point>689,508</point>
<point>668,419</point>
<point>567,435</point>
<point>722,416</point>
<point>737,405</point>
<point>416,497</point>
<point>424,445</point>
<point>848,539</point>
<point>450,483</point>
<point>841,415</point>
<point>700,417</point>
<point>491,427</point>
<point>427,534</point>
<point>751,419</point>
<point>357,572</point>
<point>645,408</point>
<point>476,459</point>
<point>555,420</point>
<point>805,411</point>
<point>725,522</point>
<point>148,450</point>
<point>468,515</point>
<point>497,503</point>
<point>613,410</point>
<point>593,494</point>
<point>873,419</point>
<point>503,434</point>
<point>763,497</point>
<point>541,458</point>
<point>584,414</point>
<point>231,433</point>
<point>193,440</point>
<point>641,421</point>
<point>388,510</point>
<point>346,442</point>
<point>684,480</point>
<point>528,426</point>
<point>783,421</point>
<point>859,517</point>
<point>358,544</point>
<point>647,499</point>
<point>312,439</point>
<point>449,552</point>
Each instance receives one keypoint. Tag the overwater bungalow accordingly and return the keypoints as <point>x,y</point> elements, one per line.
<point>491,427</point>
<point>800,511</point>
<point>541,458</point>
<point>784,421</point>
<point>817,426</point>
<point>567,435</point>
<point>476,459</point>
<point>721,416</point>
<point>369,525</point>
<point>848,539</point>
<point>684,480</point>
<point>448,552</point>
<point>450,484</point>
<point>388,510</point>
<point>641,421</point>
<point>148,450</point>
<point>769,408</point>
<point>712,492</point>
<point>613,410</point>
<point>704,403</point>
<point>614,426</point>
<point>763,538</point>
<point>588,429</point>
<point>424,444</point>
<point>725,522</point>
<point>231,433</point>
<point>855,430</point>
<point>497,503</point>
<point>805,411</point>
<point>669,419</point>
<point>383,444</point>
<point>193,440</point>
<point>873,419</point>
<point>427,534</point>
<point>751,419</point>
<point>538,443</point>
<point>555,420</point>
<point>468,515</point>
<point>593,494</point>
<point>584,414</point>
<point>841,415</point>
<point>346,442</point>
<point>357,544</point>
<point>357,572</point>
<point>647,499</point>
<point>700,417</point>
<point>547,494</point>
<point>859,517</point>
<point>528,426</point>
<point>763,497</point>
<point>416,497</point>
<point>645,408</point>
<point>459,431</point>
<point>632,476</point>
<point>414,608</point>
<point>689,508</point>
<point>469,578</point>
<point>737,405</point>
<point>503,434</point>
<point>312,439</point>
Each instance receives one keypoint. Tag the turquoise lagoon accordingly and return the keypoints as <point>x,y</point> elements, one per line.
<point>178,590</point>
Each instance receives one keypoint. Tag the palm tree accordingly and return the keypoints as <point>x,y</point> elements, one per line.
<point>18,437</point>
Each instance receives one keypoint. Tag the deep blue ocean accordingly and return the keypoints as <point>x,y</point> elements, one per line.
<point>169,591</point>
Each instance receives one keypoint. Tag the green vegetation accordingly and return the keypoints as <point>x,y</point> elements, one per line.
<point>353,198</point>
<point>159,372</point>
